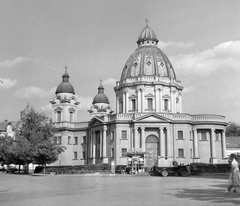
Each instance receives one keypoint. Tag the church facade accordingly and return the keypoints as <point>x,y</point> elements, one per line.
<point>147,127</point>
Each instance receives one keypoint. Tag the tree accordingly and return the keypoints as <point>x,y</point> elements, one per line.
<point>233,129</point>
<point>34,138</point>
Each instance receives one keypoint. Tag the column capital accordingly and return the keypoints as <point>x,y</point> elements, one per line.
<point>213,129</point>
<point>104,128</point>
<point>135,127</point>
<point>161,128</point>
<point>143,128</point>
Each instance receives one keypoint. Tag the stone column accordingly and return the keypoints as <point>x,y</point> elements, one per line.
<point>224,154</point>
<point>136,138</point>
<point>156,99</point>
<point>171,100</point>
<point>143,100</point>
<point>101,143</point>
<point>143,138</point>
<point>117,104</point>
<point>180,102</point>
<point>162,143</point>
<point>174,101</point>
<point>169,145</point>
<point>195,141</point>
<point>90,145</point>
<point>124,102</point>
<point>213,149</point>
<point>161,101</point>
<point>138,100</point>
<point>94,145</point>
<point>104,142</point>
<point>127,102</point>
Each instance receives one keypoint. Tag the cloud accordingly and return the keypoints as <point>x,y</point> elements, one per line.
<point>47,109</point>
<point>224,56</point>
<point>188,89</point>
<point>13,62</point>
<point>33,92</point>
<point>7,83</point>
<point>182,45</point>
<point>85,102</point>
<point>110,81</point>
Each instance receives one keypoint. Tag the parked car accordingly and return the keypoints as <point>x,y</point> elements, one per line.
<point>11,169</point>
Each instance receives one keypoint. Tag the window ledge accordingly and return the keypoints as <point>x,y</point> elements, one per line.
<point>180,157</point>
<point>124,139</point>
<point>180,139</point>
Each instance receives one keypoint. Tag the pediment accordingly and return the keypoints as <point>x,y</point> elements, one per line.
<point>95,122</point>
<point>152,118</point>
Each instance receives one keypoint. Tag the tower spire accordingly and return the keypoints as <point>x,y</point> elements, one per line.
<point>146,21</point>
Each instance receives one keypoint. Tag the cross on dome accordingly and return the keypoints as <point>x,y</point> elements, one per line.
<point>146,21</point>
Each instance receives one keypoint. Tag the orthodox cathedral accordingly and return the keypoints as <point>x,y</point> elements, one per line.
<point>147,127</point>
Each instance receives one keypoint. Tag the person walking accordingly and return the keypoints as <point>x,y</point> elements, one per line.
<point>234,179</point>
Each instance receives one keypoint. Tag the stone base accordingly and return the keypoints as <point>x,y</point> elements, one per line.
<point>213,160</point>
<point>105,160</point>
<point>196,159</point>
<point>165,162</point>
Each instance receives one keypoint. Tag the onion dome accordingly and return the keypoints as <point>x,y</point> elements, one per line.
<point>100,97</point>
<point>148,62</point>
<point>65,86</point>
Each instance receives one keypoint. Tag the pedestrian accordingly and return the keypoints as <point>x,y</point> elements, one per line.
<point>188,169</point>
<point>234,179</point>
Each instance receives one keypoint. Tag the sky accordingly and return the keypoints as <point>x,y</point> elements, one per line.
<point>94,39</point>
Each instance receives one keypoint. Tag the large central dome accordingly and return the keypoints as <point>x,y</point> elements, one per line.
<point>147,61</point>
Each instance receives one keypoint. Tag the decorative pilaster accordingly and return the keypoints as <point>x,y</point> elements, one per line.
<point>213,149</point>
<point>143,100</point>
<point>101,143</point>
<point>161,101</point>
<point>224,154</point>
<point>143,138</point>
<point>124,102</point>
<point>138,100</point>
<point>162,143</point>
<point>195,142</point>
<point>105,159</point>
<point>169,145</point>
<point>136,138</point>
<point>127,102</point>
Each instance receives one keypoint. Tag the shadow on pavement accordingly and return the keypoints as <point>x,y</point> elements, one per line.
<point>214,195</point>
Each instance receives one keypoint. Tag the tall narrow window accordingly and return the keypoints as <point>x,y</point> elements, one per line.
<point>204,136</point>
<point>150,104</point>
<point>75,140</point>
<point>180,134</point>
<point>69,140</point>
<point>84,155</point>
<point>166,104</point>
<point>71,117</point>
<point>58,116</point>
<point>112,135</point>
<point>124,134</point>
<point>59,140</point>
<point>121,106</point>
<point>133,104</point>
<point>180,153</point>
<point>112,153</point>
<point>124,152</point>
<point>75,155</point>
<point>84,139</point>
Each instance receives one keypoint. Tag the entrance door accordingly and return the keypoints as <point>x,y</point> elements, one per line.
<point>152,150</point>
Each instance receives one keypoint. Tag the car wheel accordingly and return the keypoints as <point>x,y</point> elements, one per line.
<point>164,173</point>
<point>184,173</point>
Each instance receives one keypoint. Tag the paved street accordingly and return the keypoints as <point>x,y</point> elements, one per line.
<point>63,190</point>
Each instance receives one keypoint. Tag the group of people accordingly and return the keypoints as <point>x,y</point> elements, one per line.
<point>234,179</point>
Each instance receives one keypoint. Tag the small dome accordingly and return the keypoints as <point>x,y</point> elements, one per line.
<point>100,97</point>
<point>147,34</point>
<point>65,86</point>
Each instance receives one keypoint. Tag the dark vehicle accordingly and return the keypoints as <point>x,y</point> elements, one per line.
<point>120,168</point>
<point>38,169</point>
<point>180,170</point>
<point>11,170</point>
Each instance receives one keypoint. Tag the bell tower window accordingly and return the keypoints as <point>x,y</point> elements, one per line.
<point>133,104</point>
<point>71,117</point>
<point>58,116</point>
<point>166,105</point>
<point>150,104</point>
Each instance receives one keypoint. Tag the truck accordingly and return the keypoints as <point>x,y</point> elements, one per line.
<point>175,169</point>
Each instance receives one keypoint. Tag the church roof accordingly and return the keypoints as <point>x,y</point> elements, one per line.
<point>100,97</point>
<point>148,60</point>
<point>65,86</point>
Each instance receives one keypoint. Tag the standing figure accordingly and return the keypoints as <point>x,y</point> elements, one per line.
<point>234,180</point>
